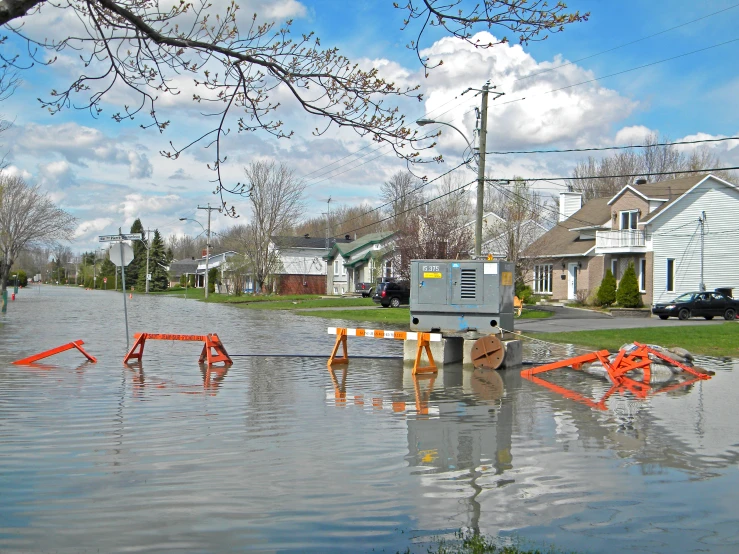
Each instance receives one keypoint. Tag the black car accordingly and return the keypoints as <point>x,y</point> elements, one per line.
<point>699,304</point>
<point>392,294</point>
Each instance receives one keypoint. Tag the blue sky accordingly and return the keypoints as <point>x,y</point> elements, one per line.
<point>108,174</point>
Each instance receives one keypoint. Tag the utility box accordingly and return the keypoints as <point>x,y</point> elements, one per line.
<point>455,296</point>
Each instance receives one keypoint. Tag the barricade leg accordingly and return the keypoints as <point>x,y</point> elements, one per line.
<point>340,340</point>
<point>423,344</point>
<point>41,355</point>
<point>137,350</point>
<point>212,342</point>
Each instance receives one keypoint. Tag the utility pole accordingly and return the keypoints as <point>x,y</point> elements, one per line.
<point>207,246</point>
<point>481,169</point>
<point>702,221</point>
<point>328,222</point>
<point>148,248</point>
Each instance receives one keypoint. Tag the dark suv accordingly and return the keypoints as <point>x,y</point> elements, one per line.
<point>392,294</point>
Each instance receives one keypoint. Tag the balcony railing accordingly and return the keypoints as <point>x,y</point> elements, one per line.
<point>622,240</point>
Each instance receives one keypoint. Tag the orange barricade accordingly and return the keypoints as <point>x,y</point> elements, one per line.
<point>213,349</point>
<point>618,371</point>
<point>69,346</point>
<point>423,344</point>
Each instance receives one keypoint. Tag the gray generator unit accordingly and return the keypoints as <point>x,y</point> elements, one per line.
<point>455,296</point>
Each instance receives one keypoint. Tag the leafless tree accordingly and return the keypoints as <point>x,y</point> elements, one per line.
<point>360,220</point>
<point>525,214</point>
<point>602,177</point>
<point>402,193</point>
<point>276,202</point>
<point>27,217</point>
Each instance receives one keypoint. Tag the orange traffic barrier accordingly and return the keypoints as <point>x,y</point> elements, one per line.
<point>618,371</point>
<point>63,348</point>
<point>213,350</point>
<point>423,344</point>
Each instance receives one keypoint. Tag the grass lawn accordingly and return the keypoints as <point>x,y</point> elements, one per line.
<point>709,340</point>
<point>399,316</point>
<point>271,301</point>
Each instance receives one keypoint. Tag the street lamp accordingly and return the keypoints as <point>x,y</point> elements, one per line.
<point>207,248</point>
<point>426,121</point>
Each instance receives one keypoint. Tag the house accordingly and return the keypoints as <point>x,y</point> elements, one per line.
<point>678,233</point>
<point>218,262</point>
<point>360,261</point>
<point>302,264</point>
<point>178,268</point>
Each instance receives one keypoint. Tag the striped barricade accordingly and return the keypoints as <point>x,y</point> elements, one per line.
<point>424,340</point>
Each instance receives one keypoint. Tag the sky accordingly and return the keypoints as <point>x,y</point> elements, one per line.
<point>664,66</point>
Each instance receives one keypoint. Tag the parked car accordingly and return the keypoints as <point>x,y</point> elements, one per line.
<point>699,304</point>
<point>392,294</point>
<point>365,289</point>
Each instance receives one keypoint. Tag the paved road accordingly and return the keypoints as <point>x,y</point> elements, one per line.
<point>572,319</point>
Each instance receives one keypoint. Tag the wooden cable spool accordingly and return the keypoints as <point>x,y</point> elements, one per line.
<point>488,352</point>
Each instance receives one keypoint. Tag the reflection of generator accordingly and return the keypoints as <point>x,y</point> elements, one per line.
<point>461,295</point>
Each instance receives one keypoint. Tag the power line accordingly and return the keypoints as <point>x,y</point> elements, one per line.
<point>419,187</point>
<point>626,44</point>
<point>613,147</point>
<point>652,174</point>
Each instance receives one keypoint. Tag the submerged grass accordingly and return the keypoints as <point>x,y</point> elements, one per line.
<point>708,340</point>
<point>400,316</point>
<point>467,542</point>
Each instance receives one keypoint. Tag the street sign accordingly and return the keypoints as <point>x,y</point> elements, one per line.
<point>119,238</point>
<point>115,254</point>
<point>105,279</point>
<point>148,276</point>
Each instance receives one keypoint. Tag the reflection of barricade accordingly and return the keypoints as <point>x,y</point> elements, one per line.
<point>213,349</point>
<point>423,344</point>
<point>63,348</point>
<point>213,376</point>
<point>625,362</point>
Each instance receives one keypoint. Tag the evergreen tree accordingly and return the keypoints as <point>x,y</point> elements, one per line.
<point>107,269</point>
<point>607,289</point>
<point>628,294</point>
<point>158,264</point>
<point>212,278</point>
<point>138,265</point>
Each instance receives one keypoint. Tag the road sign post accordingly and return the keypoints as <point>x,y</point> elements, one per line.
<point>122,258</point>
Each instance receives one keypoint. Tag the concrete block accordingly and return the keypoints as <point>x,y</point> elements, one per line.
<point>447,351</point>
<point>513,353</point>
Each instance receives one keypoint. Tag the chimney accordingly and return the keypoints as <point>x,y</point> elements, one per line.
<point>569,203</point>
<point>641,181</point>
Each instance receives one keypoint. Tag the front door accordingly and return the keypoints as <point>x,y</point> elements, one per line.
<point>572,282</point>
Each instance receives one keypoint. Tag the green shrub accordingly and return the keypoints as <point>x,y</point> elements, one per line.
<point>183,280</point>
<point>212,278</point>
<point>607,290</point>
<point>628,294</point>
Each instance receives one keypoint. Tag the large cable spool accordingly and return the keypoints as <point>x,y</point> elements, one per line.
<point>488,352</point>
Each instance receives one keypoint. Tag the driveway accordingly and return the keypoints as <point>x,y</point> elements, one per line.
<point>573,319</point>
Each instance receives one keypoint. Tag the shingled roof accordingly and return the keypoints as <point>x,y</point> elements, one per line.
<point>562,241</point>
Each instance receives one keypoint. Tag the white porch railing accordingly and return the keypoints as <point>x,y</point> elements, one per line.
<point>619,239</point>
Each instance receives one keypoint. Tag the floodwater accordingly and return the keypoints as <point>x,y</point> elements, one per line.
<point>279,455</point>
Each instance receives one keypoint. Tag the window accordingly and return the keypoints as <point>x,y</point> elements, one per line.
<point>614,268</point>
<point>343,271</point>
<point>543,278</point>
<point>643,275</point>
<point>629,220</point>
<point>336,291</point>
<point>336,268</point>
<point>670,275</point>
<point>389,268</point>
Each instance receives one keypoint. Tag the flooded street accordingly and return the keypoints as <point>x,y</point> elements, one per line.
<point>278,454</point>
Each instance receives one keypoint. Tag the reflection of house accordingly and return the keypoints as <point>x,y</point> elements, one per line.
<point>360,261</point>
<point>302,264</point>
<point>178,268</point>
<point>659,227</point>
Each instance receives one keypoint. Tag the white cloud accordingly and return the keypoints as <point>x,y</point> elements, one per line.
<point>14,171</point>
<point>635,134</point>
<point>87,229</point>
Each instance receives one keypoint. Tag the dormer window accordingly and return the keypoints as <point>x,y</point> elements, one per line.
<point>629,220</point>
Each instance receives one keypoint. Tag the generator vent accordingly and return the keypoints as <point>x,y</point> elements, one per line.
<point>468,283</point>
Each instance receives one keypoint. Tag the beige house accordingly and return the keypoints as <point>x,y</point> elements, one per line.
<point>678,234</point>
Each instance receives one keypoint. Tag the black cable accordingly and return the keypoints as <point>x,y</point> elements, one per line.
<point>611,147</point>
<point>652,174</point>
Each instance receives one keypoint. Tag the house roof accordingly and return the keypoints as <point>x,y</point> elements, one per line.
<point>561,241</point>
<point>346,249</point>
<point>181,267</point>
<point>305,242</point>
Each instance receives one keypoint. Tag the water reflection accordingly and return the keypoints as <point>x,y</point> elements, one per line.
<point>212,375</point>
